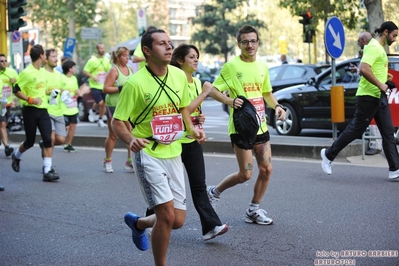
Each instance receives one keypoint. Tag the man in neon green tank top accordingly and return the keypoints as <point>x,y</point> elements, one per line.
<point>245,75</point>
<point>153,98</point>
<point>371,102</point>
<point>96,69</point>
<point>31,89</point>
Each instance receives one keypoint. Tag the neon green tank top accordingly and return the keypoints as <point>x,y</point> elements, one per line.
<point>112,99</point>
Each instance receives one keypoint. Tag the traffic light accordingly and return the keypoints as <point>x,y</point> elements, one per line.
<point>308,32</point>
<point>15,12</point>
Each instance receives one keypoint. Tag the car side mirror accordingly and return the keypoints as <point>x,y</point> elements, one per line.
<point>311,81</point>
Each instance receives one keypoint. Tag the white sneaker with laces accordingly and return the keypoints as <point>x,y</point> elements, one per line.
<point>258,216</point>
<point>325,162</point>
<point>394,175</point>
<point>101,123</point>
<point>108,167</point>
<point>214,200</point>
<point>216,231</point>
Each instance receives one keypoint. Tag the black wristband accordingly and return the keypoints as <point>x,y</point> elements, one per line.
<point>120,88</point>
<point>278,105</point>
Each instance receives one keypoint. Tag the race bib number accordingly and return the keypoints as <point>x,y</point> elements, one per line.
<point>73,102</point>
<point>167,128</point>
<point>259,106</point>
<point>196,123</point>
<point>101,77</point>
<point>7,91</point>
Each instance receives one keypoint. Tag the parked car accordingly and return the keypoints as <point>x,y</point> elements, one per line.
<point>85,103</point>
<point>287,75</point>
<point>293,74</point>
<point>309,105</point>
<point>204,75</point>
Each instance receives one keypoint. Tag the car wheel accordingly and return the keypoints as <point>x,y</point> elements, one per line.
<point>83,113</point>
<point>290,126</point>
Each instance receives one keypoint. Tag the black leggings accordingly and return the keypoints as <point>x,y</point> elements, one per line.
<point>36,118</point>
<point>193,160</point>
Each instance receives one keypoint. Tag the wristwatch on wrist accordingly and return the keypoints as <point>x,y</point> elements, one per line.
<point>278,105</point>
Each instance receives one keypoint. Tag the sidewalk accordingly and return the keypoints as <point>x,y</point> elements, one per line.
<point>90,135</point>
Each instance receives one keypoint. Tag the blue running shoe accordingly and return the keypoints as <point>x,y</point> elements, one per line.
<point>139,237</point>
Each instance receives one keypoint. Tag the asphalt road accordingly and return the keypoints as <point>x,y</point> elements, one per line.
<point>79,220</point>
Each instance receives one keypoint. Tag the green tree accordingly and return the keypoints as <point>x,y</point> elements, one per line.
<point>218,22</point>
<point>61,19</point>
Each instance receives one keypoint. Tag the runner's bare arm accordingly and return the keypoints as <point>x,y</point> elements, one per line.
<point>122,132</point>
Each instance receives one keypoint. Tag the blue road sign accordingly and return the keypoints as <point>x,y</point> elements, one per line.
<point>69,46</point>
<point>334,37</point>
<point>15,36</point>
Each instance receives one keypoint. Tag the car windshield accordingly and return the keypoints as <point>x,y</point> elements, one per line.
<point>342,75</point>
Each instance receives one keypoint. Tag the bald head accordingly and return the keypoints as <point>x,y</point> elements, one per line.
<point>364,39</point>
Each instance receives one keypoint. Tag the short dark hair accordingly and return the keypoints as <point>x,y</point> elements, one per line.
<point>180,53</point>
<point>147,39</point>
<point>3,55</point>
<point>246,29</point>
<point>67,65</point>
<point>36,51</point>
<point>49,51</point>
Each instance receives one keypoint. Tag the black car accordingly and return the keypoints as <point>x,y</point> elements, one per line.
<point>309,105</point>
<point>293,74</point>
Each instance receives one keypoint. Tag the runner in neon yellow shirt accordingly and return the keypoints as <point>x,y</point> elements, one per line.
<point>70,104</point>
<point>371,103</point>
<point>186,57</point>
<point>116,78</point>
<point>8,77</point>
<point>152,99</point>
<point>96,69</point>
<point>245,75</point>
<point>31,89</point>
<point>53,91</point>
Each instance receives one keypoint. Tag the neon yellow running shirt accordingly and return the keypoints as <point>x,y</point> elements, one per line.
<point>6,75</point>
<point>70,84</point>
<point>53,82</point>
<point>98,67</point>
<point>141,91</point>
<point>194,89</point>
<point>374,55</point>
<point>250,79</point>
<point>32,83</point>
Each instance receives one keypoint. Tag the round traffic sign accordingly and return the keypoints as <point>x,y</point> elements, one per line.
<point>334,37</point>
<point>15,36</point>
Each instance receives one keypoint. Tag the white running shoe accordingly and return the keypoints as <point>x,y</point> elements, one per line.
<point>258,216</point>
<point>325,162</point>
<point>91,116</point>
<point>129,166</point>
<point>213,199</point>
<point>101,123</point>
<point>216,231</point>
<point>394,175</point>
<point>108,167</point>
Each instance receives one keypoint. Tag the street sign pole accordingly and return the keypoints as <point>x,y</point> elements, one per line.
<point>334,39</point>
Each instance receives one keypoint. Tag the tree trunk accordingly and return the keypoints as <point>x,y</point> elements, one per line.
<point>375,15</point>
